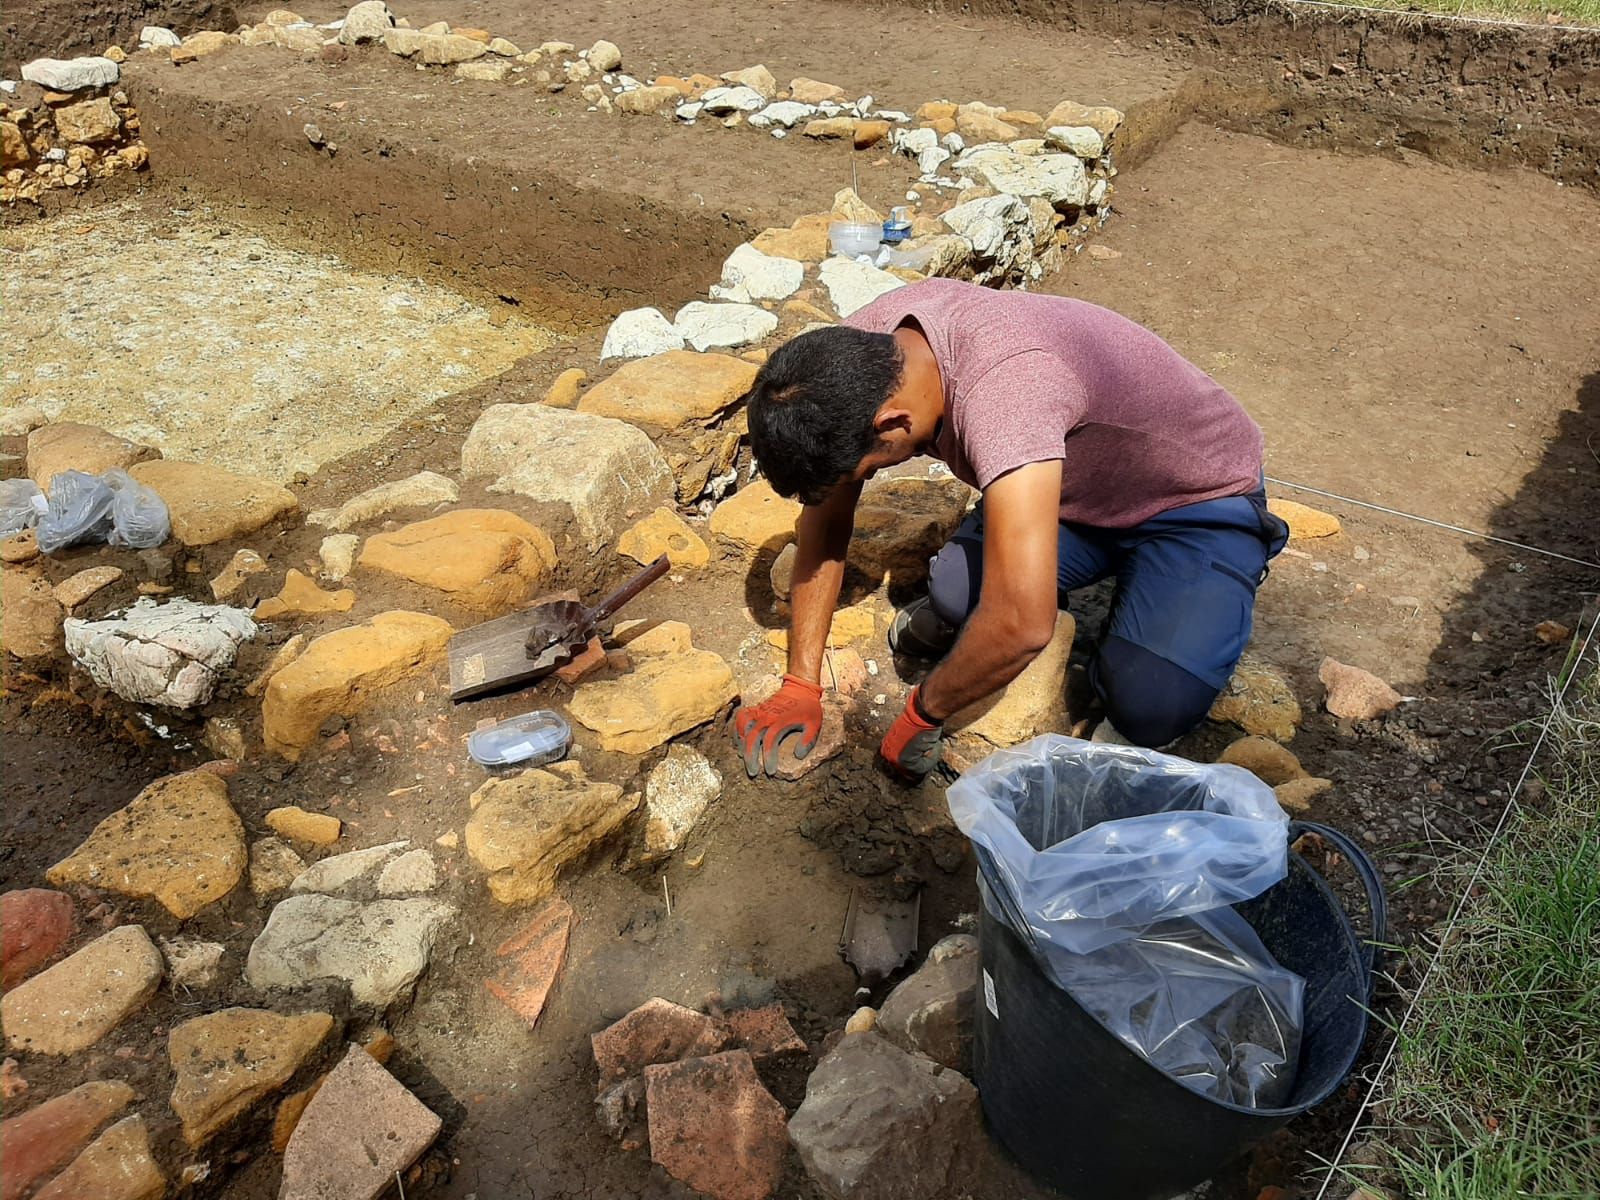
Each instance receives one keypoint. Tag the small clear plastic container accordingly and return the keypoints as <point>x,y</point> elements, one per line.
<point>530,740</point>
<point>851,239</point>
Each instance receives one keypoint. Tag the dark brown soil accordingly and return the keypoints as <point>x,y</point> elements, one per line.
<point>64,28</point>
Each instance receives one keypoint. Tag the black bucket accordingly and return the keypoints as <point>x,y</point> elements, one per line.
<point>1086,1114</point>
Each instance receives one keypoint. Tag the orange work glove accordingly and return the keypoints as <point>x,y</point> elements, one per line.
<point>913,743</point>
<point>796,708</point>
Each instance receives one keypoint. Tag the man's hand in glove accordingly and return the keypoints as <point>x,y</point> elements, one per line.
<point>915,741</point>
<point>760,730</point>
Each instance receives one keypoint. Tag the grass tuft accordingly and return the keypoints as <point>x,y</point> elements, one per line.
<point>1532,12</point>
<point>1496,1091</point>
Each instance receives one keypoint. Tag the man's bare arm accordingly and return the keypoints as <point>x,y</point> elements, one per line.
<point>822,537</point>
<point>1016,613</point>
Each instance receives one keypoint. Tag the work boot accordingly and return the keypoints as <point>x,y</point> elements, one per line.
<point>920,632</point>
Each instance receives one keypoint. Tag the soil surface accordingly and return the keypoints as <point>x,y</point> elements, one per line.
<point>1344,299</point>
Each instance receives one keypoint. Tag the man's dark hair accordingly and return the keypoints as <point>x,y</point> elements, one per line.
<point>812,405</point>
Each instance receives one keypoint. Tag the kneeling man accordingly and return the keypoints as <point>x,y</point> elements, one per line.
<point>1100,453</point>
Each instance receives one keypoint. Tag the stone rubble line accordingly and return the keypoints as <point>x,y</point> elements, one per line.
<point>86,129</point>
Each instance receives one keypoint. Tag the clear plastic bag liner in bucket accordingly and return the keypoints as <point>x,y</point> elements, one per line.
<point>1117,867</point>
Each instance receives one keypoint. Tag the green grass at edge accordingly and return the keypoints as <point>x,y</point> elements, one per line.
<point>1496,1091</point>
<point>1532,12</point>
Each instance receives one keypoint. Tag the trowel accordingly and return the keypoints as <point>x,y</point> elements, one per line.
<point>528,645</point>
<point>879,935</point>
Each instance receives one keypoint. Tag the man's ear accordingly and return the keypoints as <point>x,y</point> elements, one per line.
<point>890,419</point>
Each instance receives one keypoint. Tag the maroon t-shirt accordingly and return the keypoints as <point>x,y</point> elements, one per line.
<point>1138,428</point>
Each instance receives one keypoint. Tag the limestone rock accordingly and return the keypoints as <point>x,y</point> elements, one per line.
<point>1304,521</point>
<point>830,128</point>
<point>20,547</point>
<point>172,654</point>
<point>178,841</point>
<point>338,674</point>
<point>90,123</point>
<point>505,48</point>
<point>863,1020</point>
<point>366,22</point>
<point>756,78</point>
<point>69,446</point>
<point>664,532</point>
<point>1355,694</point>
<point>411,874</point>
<point>231,578</point>
<point>531,960</point>
<point>715,1127</point>
<point>47,1136</point>
<point>756,518</point>
<point>281,657</point>
<point>117,1165</point>
<point>604,56</point>
<point>485,70</point>
<point>847,206</point>
<point>1296,795</point>
<point>30,625</point>
<point>405,43</point>
<point>660,698</point>
<point>18,420</point>
<point>75,1003</point>
<point>658,1031</point>
<point>447,49</point>
<point>1083,140</point>
<point>1259,700</point>
<point>667,391</point>
<point>814,91</point>
<point>274,865</point>
<point>1264,758</point>
<point>881,1124</point>
<point>74,591</point>
<point>787,113</point>
<point>991,225</point>
<point>649,101</point>
<point>524,828</point>
<point>300,597</point>
<point>1102,119</point>
<point>852,285</point>
<point>338,555</point>
<point>762,276</point>
<point>72,74</point>
<point>806,240</point>
<point>1058,178</point>
<point>486,559</point>
<point>361,1130</point>
<point>1032,703</point>
<point>713,326</point>
<point>379,949</point>
<point>307,828</point>
<point>978,127</point>
<point>563,392</point>
<point>424,489</point>
<point>158,37</point>
<point>723,101</point>
<point>608,471</point>
<point>200,45</point>
<point>901,524</point>
<point>37,924</point>
<point>227,1062</point>
<point>639,333</point>
<point>676,795</point>
<point>931,1011</point>
<point>848,624</point>
<point>345,874</point>
<point>209,504</point>
<point>192,963</point>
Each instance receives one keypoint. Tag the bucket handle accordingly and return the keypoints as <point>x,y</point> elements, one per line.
<point>1371,882</point>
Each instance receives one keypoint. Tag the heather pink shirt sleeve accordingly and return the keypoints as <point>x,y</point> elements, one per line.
<point>1017,412</point>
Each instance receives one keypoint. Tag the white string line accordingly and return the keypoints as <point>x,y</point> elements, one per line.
<point>1455,913</point>
<point>1431,16</point>
<point>1395,512</point>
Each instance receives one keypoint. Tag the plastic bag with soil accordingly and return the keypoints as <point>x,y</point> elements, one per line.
<point>139,517</point>
<point>1117,867</point>
<point>79,511</point>
<point>21,506</point>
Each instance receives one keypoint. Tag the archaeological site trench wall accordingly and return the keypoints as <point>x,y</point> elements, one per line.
<point>64,28</point>
<point>1470,93</point>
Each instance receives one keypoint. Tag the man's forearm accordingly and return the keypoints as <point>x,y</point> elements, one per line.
<point>992,651</point>
<point>822,540</point>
